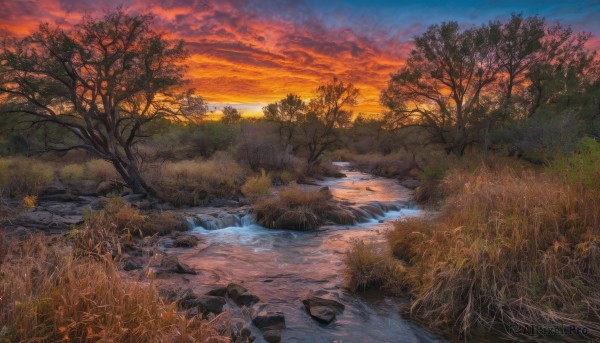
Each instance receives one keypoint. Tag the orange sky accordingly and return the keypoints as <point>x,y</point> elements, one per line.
<point>248,54</point>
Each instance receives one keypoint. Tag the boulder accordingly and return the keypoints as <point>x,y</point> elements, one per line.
<point>131,265</point>
<point>410,183</point>
<point>205,303</point>
<point>240,295</point>
<point>218,292</point>
<point>272,336</point>
<point>173,265</point>
<point>269,320</point>
<point>323,310</point>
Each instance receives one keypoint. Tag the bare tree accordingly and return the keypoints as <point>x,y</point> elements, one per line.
<point>102,81</point>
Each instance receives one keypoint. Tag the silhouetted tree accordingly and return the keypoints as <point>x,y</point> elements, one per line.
<point>288,113</point>
<point>230,115</point>
<point>443,83</point>
<point>103,81</point>
<point>327,111</point>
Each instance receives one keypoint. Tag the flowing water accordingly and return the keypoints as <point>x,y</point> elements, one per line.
<point>282,267</point>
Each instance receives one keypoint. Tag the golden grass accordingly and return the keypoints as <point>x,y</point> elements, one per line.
<point>257,186</point>
<point>369,265</point>
<point>510,247</point>
<point>293,209</point>
<point>47,294</point>
<point>22,176</point>
<point>194,182</point>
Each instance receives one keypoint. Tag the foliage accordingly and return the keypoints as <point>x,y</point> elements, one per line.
<point>230,115</point>
<point>21,176</point>
<point>76,81</point>
<point>257,186</point>
<point>580,168</point>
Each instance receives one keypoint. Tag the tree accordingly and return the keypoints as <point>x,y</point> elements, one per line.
<point>288,113</point>
<point>443,83</point>
<point>102,81</point>
<point>230,115</point>
<point>327,111</point>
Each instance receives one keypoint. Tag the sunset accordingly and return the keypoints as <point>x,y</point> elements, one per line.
<point>299,171</point>
<point>248,54</point>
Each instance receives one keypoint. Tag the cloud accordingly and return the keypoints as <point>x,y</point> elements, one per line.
<point>256,52</point>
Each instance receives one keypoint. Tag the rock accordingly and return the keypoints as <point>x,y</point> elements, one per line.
<point>45,220</point>
<point>52,190</point>
<point>185,241</point>
<point>246,299</point>
<point>268,320</point>
<point>134,197</point>
<point>223,203</point>
<point>206,303</point>
<point>241,296</point>
<point>172,264</point>
<point>272,336</point>
<point>218,292</point>
<point>130,265</point>
<point>410,183</point>
<point>106,187</point>
<point>234,290</point>
<point>323,310</point>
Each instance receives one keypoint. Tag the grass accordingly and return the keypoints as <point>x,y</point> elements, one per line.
<point>510,247</point>
<point>293,209</point>
<point>369,265</point>
<point>49,294</point>
<point>22,176</point>
<point>194,182</point>
<point>257,186</point>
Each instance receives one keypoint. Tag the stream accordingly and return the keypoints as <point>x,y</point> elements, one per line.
<point>282,267</point>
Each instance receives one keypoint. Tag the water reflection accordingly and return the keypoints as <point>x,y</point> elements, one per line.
<point>281,267</point>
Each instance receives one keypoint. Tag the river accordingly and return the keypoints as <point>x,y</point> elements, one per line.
<point>282,267</point>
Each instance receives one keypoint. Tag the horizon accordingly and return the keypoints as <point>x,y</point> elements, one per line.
<point>246,55</point>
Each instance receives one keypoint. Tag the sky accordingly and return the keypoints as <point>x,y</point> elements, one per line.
<point>250,53</point>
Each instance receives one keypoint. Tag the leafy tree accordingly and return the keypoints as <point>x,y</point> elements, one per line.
<point>288,112</point>
<point>443,83</point>
<point>230,115</point>
<point>327,111</point>
<point>103,81</point>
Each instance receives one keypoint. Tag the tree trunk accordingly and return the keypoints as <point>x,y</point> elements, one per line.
<point>132,177</point>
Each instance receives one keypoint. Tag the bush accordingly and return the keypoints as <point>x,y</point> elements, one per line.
<point>368,266</point>
<point>22,176</point>
<point>195,182</point>
<point>582,168</point>
<point>47,294</point>
<point>72,173</point>
<point>100,170</point>
<point>257,186</point>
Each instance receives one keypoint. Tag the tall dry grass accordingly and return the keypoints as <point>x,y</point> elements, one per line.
<point>47,294</point>
<point>21,176</point>
<point>510,246</point>
<point>194,182</point>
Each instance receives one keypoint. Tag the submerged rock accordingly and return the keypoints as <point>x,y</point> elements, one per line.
<point>272,336</point>
<point>323,310</point>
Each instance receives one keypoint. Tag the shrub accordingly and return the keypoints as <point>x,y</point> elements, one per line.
<point>47,294</point>
<point>72,173</point>
<point>22,176</point>
<point>580,168</point>
<point>295,209</point>
<point>195,182</point>
<point>367,265</point>
<point>257,186</point>
<point>100,170</point>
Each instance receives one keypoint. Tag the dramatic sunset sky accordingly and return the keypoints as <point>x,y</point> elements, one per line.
<point>249,53</point>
